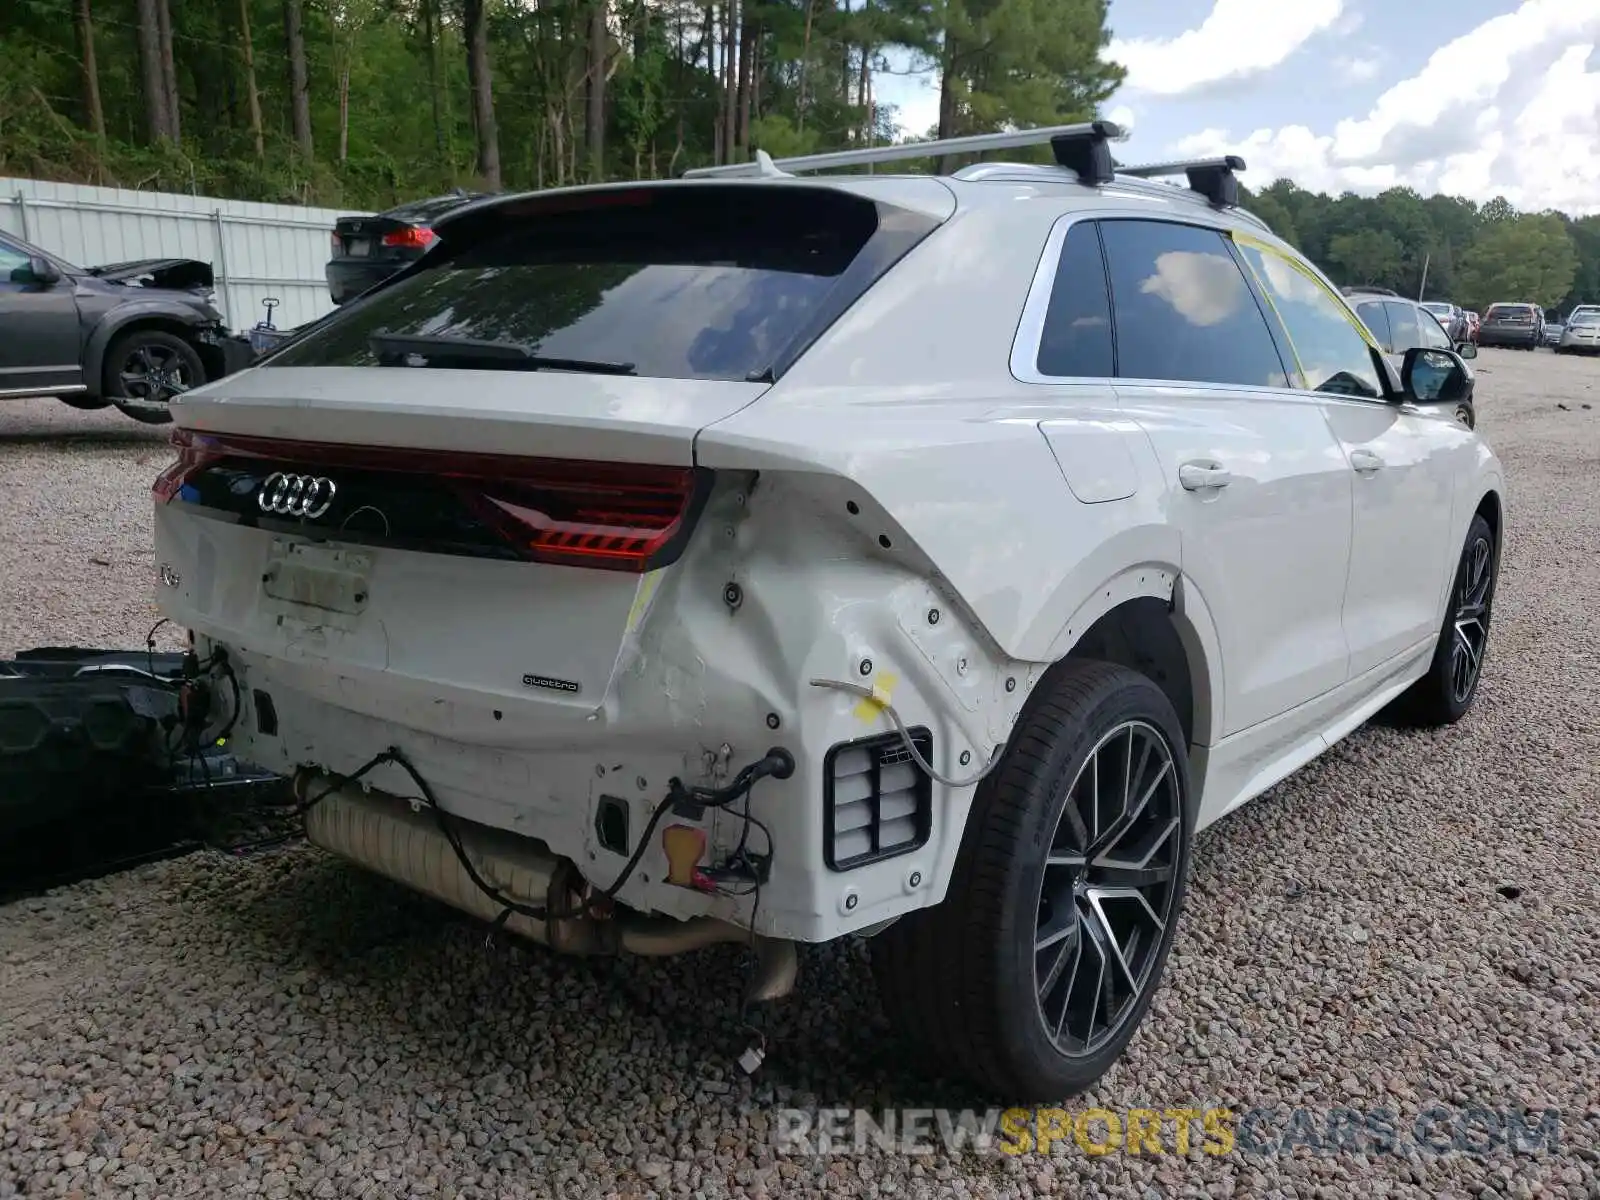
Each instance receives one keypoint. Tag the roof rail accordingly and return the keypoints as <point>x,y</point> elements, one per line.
<point>1213,178</point>
<point>1081,148</point>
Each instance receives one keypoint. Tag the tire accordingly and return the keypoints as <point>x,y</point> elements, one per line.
<point>1445,694</point>
<point>145,369</point>
<point>962,978</point>
<point>86,403</point>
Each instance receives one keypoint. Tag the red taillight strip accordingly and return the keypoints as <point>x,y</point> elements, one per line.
<point>614,516</point>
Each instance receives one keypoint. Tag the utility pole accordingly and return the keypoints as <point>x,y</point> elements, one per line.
<point>1423,290</point>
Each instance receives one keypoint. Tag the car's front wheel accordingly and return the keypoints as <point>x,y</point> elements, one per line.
<point>146,369</point>
<point>1032,975</point>
<point>1445,694</point>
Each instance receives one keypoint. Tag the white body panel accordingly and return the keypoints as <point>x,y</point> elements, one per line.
<point>899,509</point>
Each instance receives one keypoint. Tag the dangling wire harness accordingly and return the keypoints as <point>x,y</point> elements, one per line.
<point>879,697</point>
<point>777,764</point>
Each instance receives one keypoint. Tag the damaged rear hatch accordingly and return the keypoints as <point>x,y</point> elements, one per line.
<point>473,479</point>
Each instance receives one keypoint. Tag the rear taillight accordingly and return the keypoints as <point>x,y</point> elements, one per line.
<point>608,516</point>
<point>615,517</point>
<point>337,245</point>
<point>412,237</point>
<point>195,454</point>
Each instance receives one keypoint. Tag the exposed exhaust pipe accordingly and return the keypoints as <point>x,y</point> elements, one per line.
<point>384,834</point>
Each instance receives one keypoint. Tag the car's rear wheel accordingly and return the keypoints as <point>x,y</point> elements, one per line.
<point>1033,974</point>
<point>146,369</point>
<point>1445,694</point>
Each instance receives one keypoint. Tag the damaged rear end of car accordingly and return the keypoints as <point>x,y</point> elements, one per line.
<point>457,546</point>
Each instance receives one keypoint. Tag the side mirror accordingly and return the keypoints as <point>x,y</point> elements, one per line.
<point>1433,376</point>
<point>1467,349</point>
<point>38,270</point>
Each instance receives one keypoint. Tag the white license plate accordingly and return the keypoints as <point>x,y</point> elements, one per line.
<point>360,248</point>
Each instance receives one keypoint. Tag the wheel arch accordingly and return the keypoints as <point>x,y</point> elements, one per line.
<point>153,315</point>
<point>1492,509</point>
<point>1152,620</point>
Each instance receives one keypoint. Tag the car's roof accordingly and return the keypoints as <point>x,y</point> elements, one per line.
<point>986,185</point>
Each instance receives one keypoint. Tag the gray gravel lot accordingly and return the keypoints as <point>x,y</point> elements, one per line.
<point>1410,921</point>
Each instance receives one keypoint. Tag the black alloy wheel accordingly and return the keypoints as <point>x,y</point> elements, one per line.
<point>1446,693</point>
<point>147,369</point>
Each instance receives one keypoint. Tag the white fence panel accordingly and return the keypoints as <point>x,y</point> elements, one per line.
<point>255,250</point>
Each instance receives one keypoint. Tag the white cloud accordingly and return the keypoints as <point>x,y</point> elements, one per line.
<point>1356,70</point>
<point>1509,108</point>
<point>1124,116</point>
<point>1238,39</point>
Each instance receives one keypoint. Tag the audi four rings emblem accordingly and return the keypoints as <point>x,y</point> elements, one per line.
<point>307,496</point>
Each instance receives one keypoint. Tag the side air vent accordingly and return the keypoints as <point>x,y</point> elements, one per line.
<point>877,802</point>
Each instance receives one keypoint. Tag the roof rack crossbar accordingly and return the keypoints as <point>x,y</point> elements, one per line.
<point>1213,178</point>
<point>1083,143</point>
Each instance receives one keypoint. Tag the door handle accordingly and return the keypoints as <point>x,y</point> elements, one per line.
<point>1197,477</point>
<point>1365,461</point>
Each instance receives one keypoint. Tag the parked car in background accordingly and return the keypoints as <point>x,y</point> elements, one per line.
<point>1474,326</point>
<point>1581,334</point>
<point>1451,316</point>
<point>132,334</point>
<point>1517,325</point>
<point>1583,310</point>
<point>1400,325</point>
<point>367,250</point>
<point>1552,333</point>
<point>720,530</point>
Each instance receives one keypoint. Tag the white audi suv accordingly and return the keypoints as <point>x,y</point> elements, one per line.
<point>773,556</point>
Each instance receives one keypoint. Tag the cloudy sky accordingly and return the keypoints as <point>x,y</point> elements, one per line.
<point>1471,97</point>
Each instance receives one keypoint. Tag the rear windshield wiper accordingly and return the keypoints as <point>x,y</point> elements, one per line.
<point>393,349</point>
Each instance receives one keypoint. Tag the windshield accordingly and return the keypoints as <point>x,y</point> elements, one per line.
<point>694,283</point>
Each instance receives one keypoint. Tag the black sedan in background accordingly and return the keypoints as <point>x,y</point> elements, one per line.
<point>132,334</point>
<point>367,250</point>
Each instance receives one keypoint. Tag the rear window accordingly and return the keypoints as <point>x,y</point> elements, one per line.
<point>1510,310</point>
<point>694,282</point>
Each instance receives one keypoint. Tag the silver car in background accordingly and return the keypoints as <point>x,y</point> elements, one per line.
<point>1582,331</point>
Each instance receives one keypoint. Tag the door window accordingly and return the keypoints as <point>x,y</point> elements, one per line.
<point>1334,350</point>
<point>1431,332</point>
<point>1183,308</point>
<point>11,259</point>
<point>1372,312</point>
<point>1077,325</point>
<point>1403,320</point>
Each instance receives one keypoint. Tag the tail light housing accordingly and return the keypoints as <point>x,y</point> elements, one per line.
<point>412,237</point>
<point>195,454</point>
<point>605,516</point>
<point>335,244</point>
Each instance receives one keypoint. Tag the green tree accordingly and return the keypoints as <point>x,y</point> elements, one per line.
<point>1522,258</point>
<point>1366,256</point>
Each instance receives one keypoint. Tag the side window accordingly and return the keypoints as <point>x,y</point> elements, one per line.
<point>1372,312</point>
<point>1077,325</point>
<point>1332,349</point>
<point>1404,319</point>
<point>10,259</point>
<point>1431,333</point>
<point>1183,308</point>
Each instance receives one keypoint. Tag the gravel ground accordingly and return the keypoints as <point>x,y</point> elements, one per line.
<point>1410,921</point>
